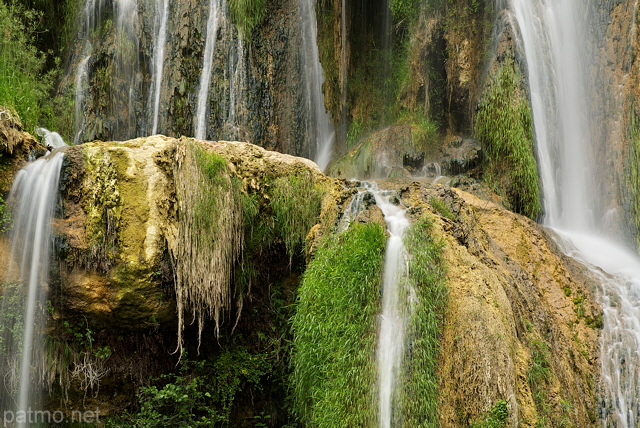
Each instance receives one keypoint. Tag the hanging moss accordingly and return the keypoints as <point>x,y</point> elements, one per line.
<point>504,127</point>
<point>334,329</point>
<point>247,15</point>
<point>419,396</point>
<point>210,235</point>
<point>295,201</point>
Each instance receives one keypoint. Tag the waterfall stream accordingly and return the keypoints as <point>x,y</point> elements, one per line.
<point>556,44</point>
<point>320,127</point>
<point>157,64</point>
<point>216,11</point>
<point>394,316</point>
<point>34,193</point>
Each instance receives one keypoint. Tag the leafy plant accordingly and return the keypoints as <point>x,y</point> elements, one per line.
<point>202,393</point>
<point>442,208</point>
<point>334,330</point>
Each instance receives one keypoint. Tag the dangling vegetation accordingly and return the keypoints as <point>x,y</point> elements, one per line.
<point>295,201</point>
<point>247,15</point>
<point>334,327</point>
<point>210,235</point>
<point>419,397</point>
<point>504,126</point>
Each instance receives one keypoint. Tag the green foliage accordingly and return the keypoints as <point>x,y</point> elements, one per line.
<point>25,85</point>
<point>539,375</point>
<point>333,358</point>
<point>247,15</point>
<point>496,417</point>
<point>419,398</point>
<point>295,201</point>
<point>504,127</point>
<point>202,393</point>
<point>442,208</point>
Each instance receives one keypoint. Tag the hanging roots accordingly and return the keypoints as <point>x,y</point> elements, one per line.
<point>210,236</point>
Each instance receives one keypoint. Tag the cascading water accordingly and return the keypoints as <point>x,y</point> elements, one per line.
<point>393,319</point>
<point>157,63</point>
<point>34,194</point>
<point>319,127</point>
<point>216,13</point>
<point>555,41</point>
<point>82,76</point>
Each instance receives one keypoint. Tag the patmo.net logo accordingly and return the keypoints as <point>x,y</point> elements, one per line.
<point>45,417</point>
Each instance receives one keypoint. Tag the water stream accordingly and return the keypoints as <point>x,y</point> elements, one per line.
<point>556,44</point>
<point>216,11</point>
<point>319,126</point>
<point>157,63</point>
<point>34,194</point>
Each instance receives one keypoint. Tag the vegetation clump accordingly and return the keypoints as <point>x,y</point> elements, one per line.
<point>504,127</point>
<point>419,397</point>
<point>247,14</point>
<point>25,84</point>
<point>334,328</point>
<point>295,201</point>
<point>210,235</point>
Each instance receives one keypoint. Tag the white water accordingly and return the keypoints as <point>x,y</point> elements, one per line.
<point>393,319</point>
<point>34,192</point>
<point>319,127</point>
<point>216,11</point>
<point>157,70</point>
<point>82,76</point>
<point>555,40</point>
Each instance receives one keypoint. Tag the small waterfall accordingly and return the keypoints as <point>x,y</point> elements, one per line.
<point>555,40</point>
<point>82,76</point>
<point>216,13</point>
<point>157,64</point>
<point>319,127</point>
<point>393,319</point>
<point>34,194</point>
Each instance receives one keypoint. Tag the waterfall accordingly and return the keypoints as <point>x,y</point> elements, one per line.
<point>216,10</point>
<point>319,127</point>
<point>34,194</point>
<point>82,76</point>
<point>157,64</point>
<point>556,45</point>
<point>393,319</point>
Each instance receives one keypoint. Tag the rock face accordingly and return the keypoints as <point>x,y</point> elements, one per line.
<point>515,303</point>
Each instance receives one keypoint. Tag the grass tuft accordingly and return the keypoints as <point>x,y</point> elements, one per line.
<point>333,360</point>
<point>504,127</point>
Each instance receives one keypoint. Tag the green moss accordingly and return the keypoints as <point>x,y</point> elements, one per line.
<point>295,201</point>
<point>419,397</point>
<point>442,208</point>
<point>334,330</point>
<point>247,15</point>
<point>504,126</point>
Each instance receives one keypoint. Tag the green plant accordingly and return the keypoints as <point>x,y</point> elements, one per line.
<point>633,172</point>
<point>6,219</point>
<point>539,375</point>
<point>25,84</point>
<point>496,417</point>
<point>210,235</point>
<point>247,15</point>
<point>334,328</point>
<point>442,208</point>
<point>202,393</point>
<point>419,396</point>
<point>295,201</point>
<point>504,126</point>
